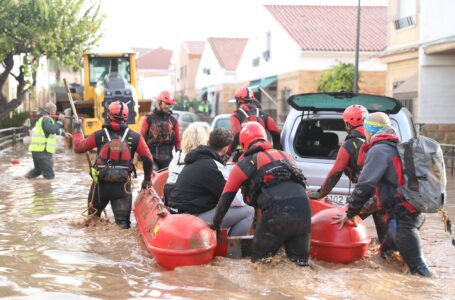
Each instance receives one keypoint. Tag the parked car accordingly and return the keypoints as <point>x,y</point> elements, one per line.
<point>184,118</point>
<point>222,121</point>
<point>314,130</point>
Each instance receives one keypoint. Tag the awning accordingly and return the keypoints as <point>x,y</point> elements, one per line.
<point>262,83</point>
<point>408,89</point>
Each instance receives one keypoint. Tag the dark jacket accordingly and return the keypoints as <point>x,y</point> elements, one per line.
<point>200,183</point>
<point>381,175</point>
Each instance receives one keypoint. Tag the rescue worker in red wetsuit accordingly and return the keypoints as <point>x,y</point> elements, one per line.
<point>116,145</point>
<point>347,162</point>
<point>161,132</point>
<point>277,188</point>
<point>247,111</point>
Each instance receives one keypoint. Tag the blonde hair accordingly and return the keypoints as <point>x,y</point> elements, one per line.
<point>197,133</point>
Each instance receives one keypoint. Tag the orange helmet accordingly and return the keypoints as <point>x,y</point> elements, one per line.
<point>118,111</point>
<point>166,97</point>
<point>243,95</point>
<point>354,115</point>
<point>251,132</point>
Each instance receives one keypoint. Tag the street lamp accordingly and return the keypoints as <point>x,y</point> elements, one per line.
<point>357,45</point>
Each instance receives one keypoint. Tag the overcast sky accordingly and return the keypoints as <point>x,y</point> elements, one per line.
<point>166,23</point>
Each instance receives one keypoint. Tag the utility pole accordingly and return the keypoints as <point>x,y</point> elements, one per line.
<point>357,46</point>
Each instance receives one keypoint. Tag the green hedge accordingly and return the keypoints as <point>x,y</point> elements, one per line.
<point>16,120</point>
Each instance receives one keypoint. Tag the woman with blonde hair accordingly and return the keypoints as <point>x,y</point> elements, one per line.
<point>197,133</point>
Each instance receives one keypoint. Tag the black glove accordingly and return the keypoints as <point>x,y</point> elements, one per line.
<point>77,125</point>
<point>146,184</point>
<point>314,195</point>
<point>216,228</point>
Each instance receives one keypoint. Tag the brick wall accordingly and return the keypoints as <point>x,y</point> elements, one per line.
<point>443,133</point>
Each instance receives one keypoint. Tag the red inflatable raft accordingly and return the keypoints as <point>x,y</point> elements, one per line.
<point>328,243</point>
<point>331,244</point>
<point>174,240</point>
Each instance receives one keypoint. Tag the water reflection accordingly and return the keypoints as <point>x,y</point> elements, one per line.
<point>48,251</point>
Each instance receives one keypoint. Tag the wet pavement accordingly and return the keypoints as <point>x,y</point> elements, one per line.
<point>47,252</point>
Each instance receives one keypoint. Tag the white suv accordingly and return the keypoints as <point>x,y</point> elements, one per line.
<point>314,131</point>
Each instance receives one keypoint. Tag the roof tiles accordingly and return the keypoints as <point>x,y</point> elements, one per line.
<point>156,59</point>
<point>228,51</point>
<point>333,28</point>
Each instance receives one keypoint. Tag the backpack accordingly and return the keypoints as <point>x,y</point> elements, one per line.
<point>424,174</point>
<point>114,160</point>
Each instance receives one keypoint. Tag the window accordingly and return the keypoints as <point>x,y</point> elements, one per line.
<point>186,118</point>
<point>268,46</point>
<point>101,66</point>
<point>256,61</point>
<point>319,138</point>
<point>406,14</point>
<point>183,72</point>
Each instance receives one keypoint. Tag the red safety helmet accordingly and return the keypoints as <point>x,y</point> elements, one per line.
<point>118,111</point>
<point>354,115</point>
<point>251,132</point>
<point>166,97</point>
<point>243,95</point>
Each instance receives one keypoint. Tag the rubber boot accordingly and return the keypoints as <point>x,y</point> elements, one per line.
<point>122,211</point>
<point>300,262</point>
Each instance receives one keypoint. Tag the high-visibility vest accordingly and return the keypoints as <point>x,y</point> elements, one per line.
<point>39,141</point>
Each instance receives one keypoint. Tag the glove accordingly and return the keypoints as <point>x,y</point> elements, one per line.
<point>146,184</point>
<point>216,228</point>
<point>77,125</point>
<point>314,195</point>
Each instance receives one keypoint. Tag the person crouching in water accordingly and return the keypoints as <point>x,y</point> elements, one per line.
<point>382,174</point>
<point>199,185</point>
<point>276,187</point>
<point>116,145</point>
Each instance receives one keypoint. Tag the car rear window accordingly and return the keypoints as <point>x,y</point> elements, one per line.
<point>319,138</point>
<point>223,123</point>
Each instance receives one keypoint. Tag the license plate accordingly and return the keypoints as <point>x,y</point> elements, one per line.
<point>338,200</point>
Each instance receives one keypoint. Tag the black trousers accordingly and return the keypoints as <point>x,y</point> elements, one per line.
<point>404,236</point>
<point>120,199</point>
<point>162,156</point>
<point>285,221</point>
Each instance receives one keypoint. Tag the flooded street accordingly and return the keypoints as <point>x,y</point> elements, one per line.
<point>46,252</point>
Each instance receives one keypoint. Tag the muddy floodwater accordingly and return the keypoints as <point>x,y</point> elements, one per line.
<point>46,252</point>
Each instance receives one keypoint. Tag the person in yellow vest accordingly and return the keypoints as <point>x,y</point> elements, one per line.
<point>43,142</point>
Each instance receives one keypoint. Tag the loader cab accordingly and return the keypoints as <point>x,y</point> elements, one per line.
<point>108,77</point>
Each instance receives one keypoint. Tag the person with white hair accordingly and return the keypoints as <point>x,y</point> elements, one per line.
<point>196,134</point>
<point>43,142</point>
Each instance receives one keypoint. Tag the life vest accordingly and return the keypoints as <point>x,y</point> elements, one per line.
<point>271,173</point>
<point>253,115</point>
<point>113,161</point>
<point>353,145</point>
<point>40,142</point>
<point>161,129</point>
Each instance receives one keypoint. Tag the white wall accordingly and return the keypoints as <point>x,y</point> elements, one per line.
<point>286,55</point>
<point>436,89</point>
<point>437,71</point>
<point>283,55</point>
<point>217,75</point>
<point>437,20</point>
